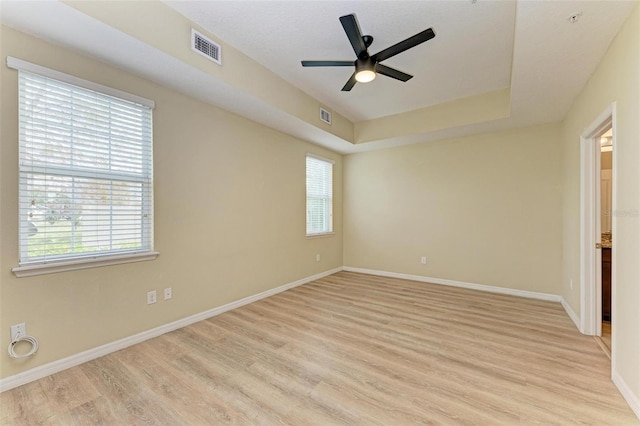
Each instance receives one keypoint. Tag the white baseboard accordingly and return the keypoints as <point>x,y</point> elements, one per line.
<point>88,355</point>
<point>452,283</point>
<point>571,314</point>
<point>632,399</point>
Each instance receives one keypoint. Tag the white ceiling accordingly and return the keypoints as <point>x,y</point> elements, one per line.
<point>470,54</point>
<point>528,46</point>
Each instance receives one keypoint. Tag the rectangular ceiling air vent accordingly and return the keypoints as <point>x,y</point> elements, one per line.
<point>206,47</point>
<point>325,116</point>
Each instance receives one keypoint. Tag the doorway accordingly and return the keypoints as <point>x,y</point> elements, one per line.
<point>597,216</point>
<point>606,240</point>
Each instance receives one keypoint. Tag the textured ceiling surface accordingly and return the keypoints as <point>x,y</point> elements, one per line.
<point>527,47</point>
<point>470,54</point>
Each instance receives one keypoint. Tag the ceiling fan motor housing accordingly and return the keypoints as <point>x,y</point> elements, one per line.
<point>365,64</point>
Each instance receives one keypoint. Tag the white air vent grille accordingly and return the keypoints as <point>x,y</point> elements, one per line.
<point>325,116</point>
<point>206,47</point>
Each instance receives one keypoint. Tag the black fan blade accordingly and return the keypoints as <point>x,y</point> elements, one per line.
<point>392,72</point>
<point>404,45</point>
<point>351,27</point>
<point>327,63</point>
<point>352,82</point>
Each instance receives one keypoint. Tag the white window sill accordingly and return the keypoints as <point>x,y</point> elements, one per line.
<point>72,265</point>
<point>321,234</point>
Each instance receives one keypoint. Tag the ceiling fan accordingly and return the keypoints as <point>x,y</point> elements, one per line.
<point>367,66</point>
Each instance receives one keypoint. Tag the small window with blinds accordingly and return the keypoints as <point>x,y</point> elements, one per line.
<point>319,196</point>
<point>86,172</point>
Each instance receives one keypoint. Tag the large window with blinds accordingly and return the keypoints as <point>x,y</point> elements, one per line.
<point>86,172</point>
<point>319,196</point>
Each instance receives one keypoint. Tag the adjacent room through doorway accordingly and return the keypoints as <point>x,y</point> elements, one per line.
<point>606,176</point>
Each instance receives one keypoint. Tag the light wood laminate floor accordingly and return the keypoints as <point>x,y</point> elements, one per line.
<point>606,334</point>
<point>347,349</point>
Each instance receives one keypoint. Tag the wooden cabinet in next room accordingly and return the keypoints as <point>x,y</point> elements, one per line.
<point>606,284</point>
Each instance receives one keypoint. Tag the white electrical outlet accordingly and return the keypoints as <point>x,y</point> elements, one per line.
<point>423,260</point>
<point>168,293</point>
<point>151,297</point>
<point>18,330</point>
<point>318,257</point>
<point>571,284</point>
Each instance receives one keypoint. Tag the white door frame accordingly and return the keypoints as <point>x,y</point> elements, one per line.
<point>590,257</point>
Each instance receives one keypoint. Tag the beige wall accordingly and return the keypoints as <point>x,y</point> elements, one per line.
<point>615,80</point>
<point>460,112</point>
<point>483,209</point>
<point>229,220</point>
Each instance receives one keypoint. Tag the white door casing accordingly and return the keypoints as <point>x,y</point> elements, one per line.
<point>590,225</point>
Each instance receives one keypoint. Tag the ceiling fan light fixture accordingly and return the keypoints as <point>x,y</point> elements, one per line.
<point>365,76</point>
<point>365,70</point>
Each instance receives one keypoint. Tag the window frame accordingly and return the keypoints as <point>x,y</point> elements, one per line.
<point>324,232</point>
<point>104,258</point>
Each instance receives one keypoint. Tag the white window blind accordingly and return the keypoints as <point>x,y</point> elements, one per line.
<point>319,196</point>
<point>86,173</point>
